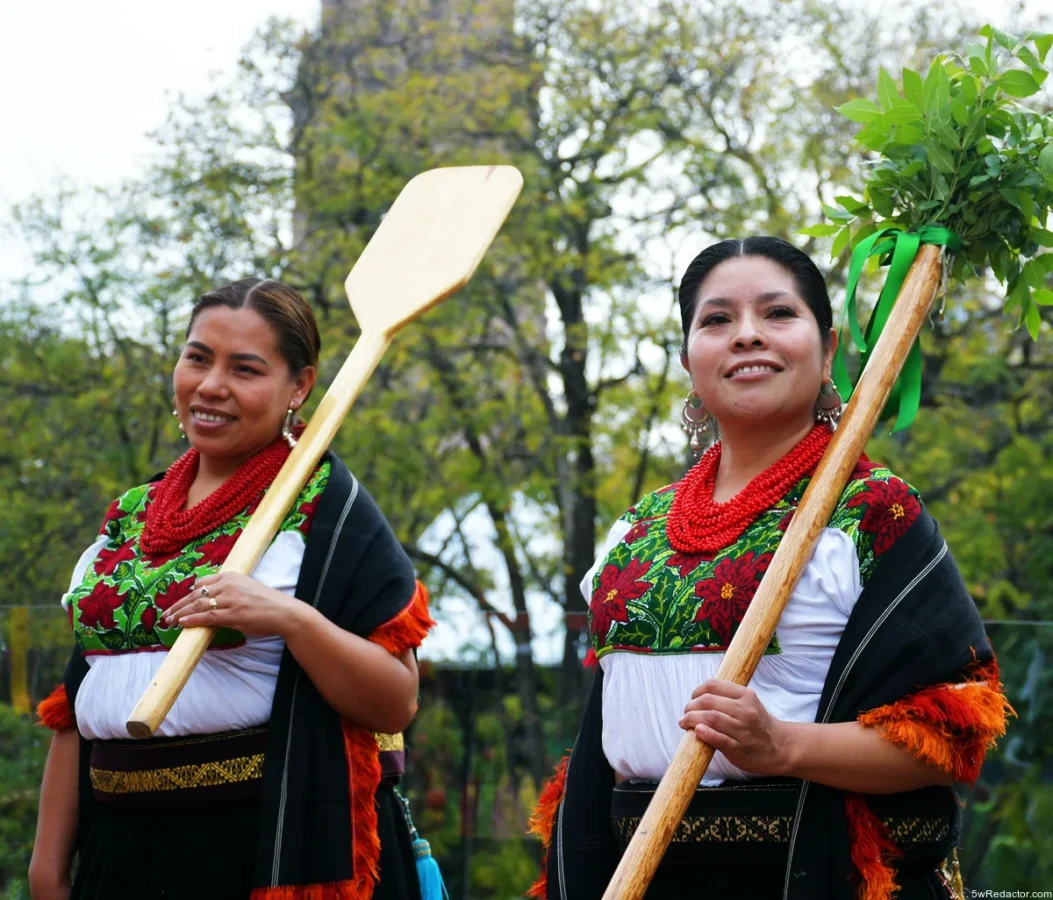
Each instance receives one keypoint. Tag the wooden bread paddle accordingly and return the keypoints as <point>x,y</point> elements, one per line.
<point>428,246</point>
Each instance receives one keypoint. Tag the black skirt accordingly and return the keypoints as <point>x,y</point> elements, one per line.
<point>208,852</point>
<point>733,842</point>
<point>679,881</point>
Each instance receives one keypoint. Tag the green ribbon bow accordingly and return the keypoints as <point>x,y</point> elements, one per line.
<point>905,398</point>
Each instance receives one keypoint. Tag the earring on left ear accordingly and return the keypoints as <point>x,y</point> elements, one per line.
<point>182,433</point>
<point>828,405</point>
<point>694,421</point>
<point>290,418</point>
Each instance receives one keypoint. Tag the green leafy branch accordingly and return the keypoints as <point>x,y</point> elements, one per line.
<point>957,149</point>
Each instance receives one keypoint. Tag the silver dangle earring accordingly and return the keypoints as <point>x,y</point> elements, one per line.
<point>694,426</point>
<point>182,433</point>
<point>828,405</point>
<point>290,418</point>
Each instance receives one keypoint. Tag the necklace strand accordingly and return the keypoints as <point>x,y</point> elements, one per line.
<point>169,527</point>
<point>698,525</point>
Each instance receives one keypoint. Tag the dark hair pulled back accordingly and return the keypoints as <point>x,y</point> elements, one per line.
<point>810,282</point>
<point>284,309</point>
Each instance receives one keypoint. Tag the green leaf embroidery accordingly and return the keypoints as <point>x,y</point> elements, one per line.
<point>113,639</point>
<point>140,637</point>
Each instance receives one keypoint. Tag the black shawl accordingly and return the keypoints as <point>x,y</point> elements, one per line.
<point>913,626</point>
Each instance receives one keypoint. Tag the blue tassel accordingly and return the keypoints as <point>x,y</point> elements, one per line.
<point>428,874</point>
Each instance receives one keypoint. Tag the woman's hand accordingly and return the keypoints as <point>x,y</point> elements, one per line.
<point>731,719</point>
<point>232,600</point>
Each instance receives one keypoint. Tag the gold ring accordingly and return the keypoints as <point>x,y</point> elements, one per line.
<point>212,603</point>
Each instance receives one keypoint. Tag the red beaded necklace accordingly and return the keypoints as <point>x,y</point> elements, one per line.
<point>169,527</point>
<point>697,525</point>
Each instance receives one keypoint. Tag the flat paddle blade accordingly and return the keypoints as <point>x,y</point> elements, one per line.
<point>429,243</point>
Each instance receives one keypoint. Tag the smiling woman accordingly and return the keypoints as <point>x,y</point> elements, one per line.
<point>249,364</point>
<point>879,689</point>
<point>232,764</point>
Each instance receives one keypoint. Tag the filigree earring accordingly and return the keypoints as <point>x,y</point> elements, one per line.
<point>828,405</point>
<point>287,433</point>
<point>182,433</point>
<point>695,421</point>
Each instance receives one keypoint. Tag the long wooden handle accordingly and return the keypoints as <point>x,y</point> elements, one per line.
<point>191,644</point>
<point>692,758</point>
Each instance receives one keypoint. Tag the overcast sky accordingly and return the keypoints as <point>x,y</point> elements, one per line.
<point>83,83</point>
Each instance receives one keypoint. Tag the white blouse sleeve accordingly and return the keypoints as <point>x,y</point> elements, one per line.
<point>79,570</point>
<point>618,530</point>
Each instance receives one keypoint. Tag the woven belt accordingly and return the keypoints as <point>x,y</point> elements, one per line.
<point>179,772</point>
<point>750,822</point>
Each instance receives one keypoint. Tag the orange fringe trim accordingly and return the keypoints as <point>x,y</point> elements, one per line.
<point>872,850</point>
<point>54,711</point>
<point>542,820</point>
<point>950,725</point>
<point>409,628</point>
<point>363,774</point>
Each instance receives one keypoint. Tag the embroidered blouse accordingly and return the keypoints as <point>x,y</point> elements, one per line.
<point>661,620</point>
<point>118,593</point>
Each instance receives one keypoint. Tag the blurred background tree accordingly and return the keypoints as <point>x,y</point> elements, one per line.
<point>504,433</point>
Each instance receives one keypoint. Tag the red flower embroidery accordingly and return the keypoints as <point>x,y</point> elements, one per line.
<point>112,513</point>
<point>149,618</point>
<point>159,559</point>
<point>98,607</point>
<point>107,561</point>
<point>891,509</point>
<point>215,552</point>
<point>616,587</point>
<point>307,511</point>
<point>685,563</point>
<point>175,592</point>
<point>784,522</point>
<point>639,530</point>
<point>727,593</point>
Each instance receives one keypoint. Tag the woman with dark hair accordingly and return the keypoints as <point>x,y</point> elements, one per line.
<point>273,774</point>
<point>834,770</point>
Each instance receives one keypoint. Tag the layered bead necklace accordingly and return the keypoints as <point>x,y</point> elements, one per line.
<point>169,527</point>
<point>696,525</point>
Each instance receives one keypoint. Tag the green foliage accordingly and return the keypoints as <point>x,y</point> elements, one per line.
<point>23,749</point>
<point>503,871</point>
<point>957,149</point>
